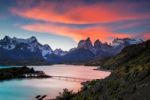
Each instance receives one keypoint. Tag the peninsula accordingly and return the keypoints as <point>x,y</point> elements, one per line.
<point>20,73</point>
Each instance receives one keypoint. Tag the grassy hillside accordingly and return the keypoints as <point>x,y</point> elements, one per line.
<point>131,55</point>
<point>130,79</point>
<point>96,61</point>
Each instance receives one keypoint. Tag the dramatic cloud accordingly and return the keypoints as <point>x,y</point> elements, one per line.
<point>146,35</point>
<point>57,18</point>
<point>102,33</point>
<point>81,13</point>
<point>134,24</point>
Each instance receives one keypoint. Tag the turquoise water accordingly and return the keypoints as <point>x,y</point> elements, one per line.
<point>8,66</point>
<point>28,89</point>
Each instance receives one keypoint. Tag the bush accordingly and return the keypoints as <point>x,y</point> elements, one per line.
<point>65,95</point>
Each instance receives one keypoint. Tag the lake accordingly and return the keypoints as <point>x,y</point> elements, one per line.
<point>27,89</point>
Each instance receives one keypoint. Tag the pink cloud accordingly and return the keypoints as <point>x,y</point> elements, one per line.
<point>146,35</point>
<point>82,13</point>
<point>102,33</point>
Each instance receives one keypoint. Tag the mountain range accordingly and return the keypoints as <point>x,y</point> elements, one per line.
<point>16,51</point>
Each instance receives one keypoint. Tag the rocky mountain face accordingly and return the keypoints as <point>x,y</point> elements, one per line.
<point>30,51</point>
<point>22,51</point>
<point>86,51</point>
<point>60,52</point>
<point>30,44</point>
<point>80,54</point>
<point>86,44</point>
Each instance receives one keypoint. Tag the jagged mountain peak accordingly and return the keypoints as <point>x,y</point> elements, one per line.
<point>6,37</point>
<point>33,38</point>
<point>97,43</point>
<point>86,44</point>
<point>88,39</point>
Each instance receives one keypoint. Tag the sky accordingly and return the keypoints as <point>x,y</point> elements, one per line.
<point>63,23</point>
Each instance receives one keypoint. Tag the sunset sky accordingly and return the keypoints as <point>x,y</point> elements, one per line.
<point>62,23</point>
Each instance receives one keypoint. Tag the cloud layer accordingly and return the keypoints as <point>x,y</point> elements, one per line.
<point>94,32</point>
<point>57,18</point>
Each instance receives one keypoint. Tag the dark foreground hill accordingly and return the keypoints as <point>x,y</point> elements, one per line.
<point>130,78</point>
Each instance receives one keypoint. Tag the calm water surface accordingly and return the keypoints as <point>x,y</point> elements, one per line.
<point>28,89</point>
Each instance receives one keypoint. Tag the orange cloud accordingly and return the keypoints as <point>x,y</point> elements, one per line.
<point>104,34</point>
<point>81,13</point>
<point>147,36</point>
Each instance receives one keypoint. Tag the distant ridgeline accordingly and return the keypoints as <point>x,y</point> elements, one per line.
<point>130,78</point>
<point>20,73</point>
<point>15,51</point>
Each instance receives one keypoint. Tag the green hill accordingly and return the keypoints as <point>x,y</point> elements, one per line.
<point>131,55</point>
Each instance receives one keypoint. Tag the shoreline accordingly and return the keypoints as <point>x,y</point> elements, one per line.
<point>21,73</point>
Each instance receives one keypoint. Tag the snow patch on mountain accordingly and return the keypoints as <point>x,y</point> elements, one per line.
<point>30,44</point>
<point>60,52</point>
<point>126,41</point>
<point>46,50</point>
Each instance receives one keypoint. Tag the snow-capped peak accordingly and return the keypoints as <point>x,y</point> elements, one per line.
<point>125,41</point>
<point>30,44</point>
<point>32,39</point>
<point>6,38</point>
<point>29,40</point>
<point>46,50</point>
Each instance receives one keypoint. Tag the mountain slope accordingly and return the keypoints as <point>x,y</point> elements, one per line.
<point>60,52</point>
<point>130,79</point>
<point>15,51</point>
<point>79,55</point>
<point>134,52</point>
